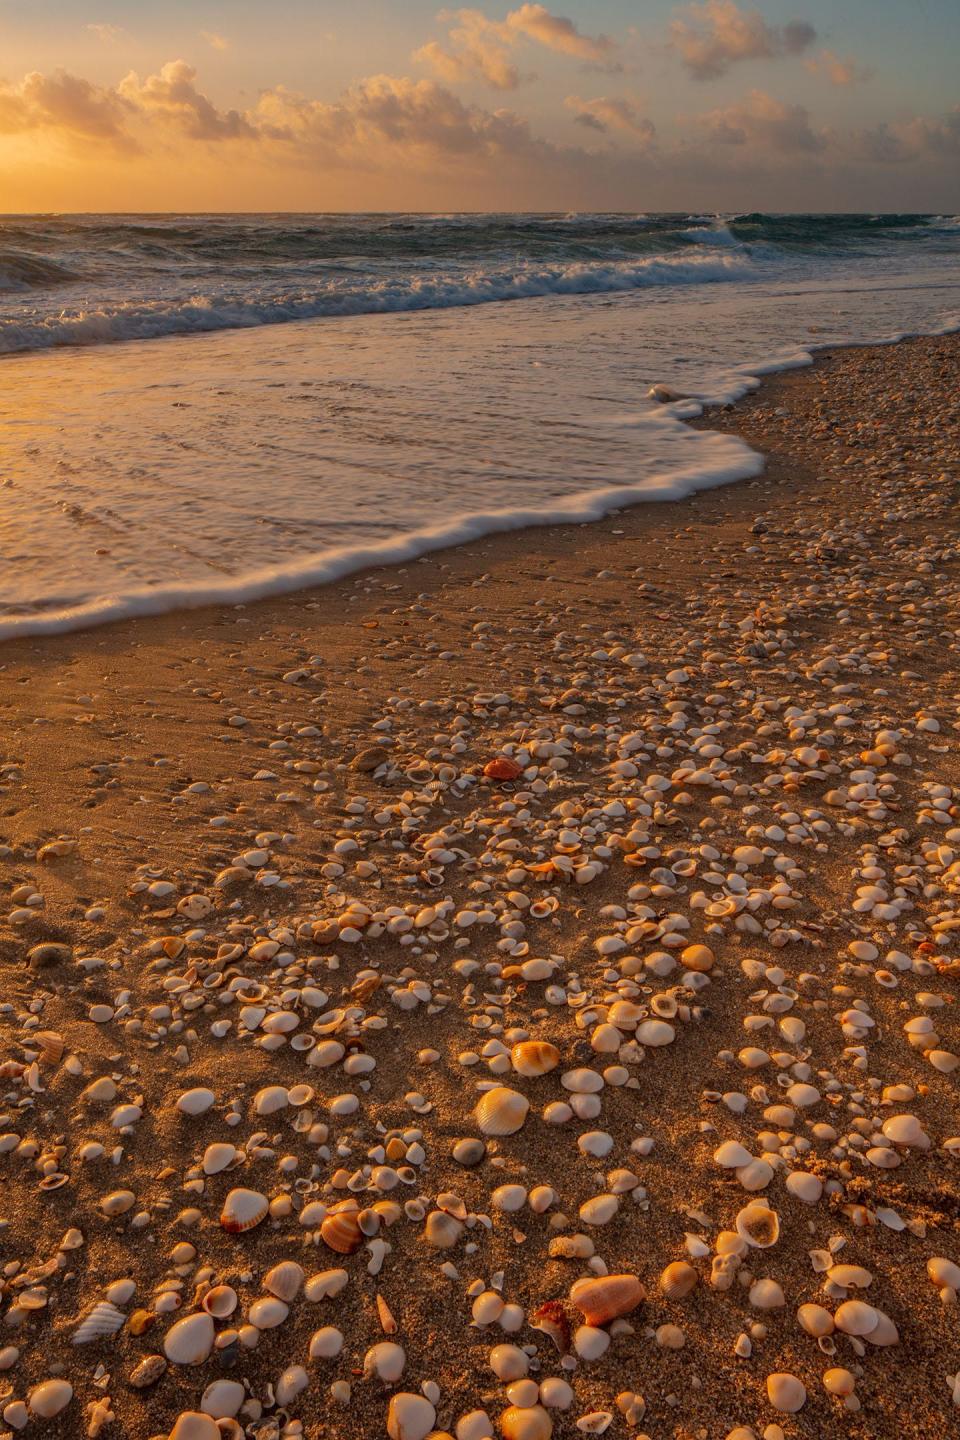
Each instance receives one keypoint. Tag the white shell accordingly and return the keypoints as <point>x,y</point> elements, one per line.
<point>268,1312</point>
<point>284,1280</point>
<point>50,1397</point>
<point>195,1102</point>
<point>325,1344</point>
<point>103,1319</point>
<point>410,1417</point>
<point>190,1340</point>
<point>222,1399</point>
<point>385,1360</point>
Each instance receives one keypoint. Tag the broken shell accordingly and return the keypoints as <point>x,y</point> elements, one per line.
<point>551,1318</point>
<point>501,1111</point>
<point>243,1210</point>
<point>759,1226</point>
<point>607,1297</point>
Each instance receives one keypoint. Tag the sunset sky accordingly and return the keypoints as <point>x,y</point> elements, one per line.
<point>396,104</point>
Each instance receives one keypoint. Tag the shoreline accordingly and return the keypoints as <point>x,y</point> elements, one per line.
<point>713,868</point>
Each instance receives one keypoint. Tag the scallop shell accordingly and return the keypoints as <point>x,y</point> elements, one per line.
<point>534,1057</point>
<point>607,1297</point>
<point>501,1111</point>
<point>341,1232</point>
<point>678,1280</point>
<point>502,768</point>
<point>50,1044</point>
<point>530,1422</point>
<point>759,1226</point>
<point>103,1319</point>
<point>242,1210</point>
<point>284,1280</point>
<point>220,1302</point>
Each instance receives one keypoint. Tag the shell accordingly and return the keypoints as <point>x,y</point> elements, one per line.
<point>697,957</point>
<point>786,1393</point>
<point>410,1417</point>
<point>552,1319</point>
<point>530,1422</point>
<point>607,1297</point>
<point>195,1102</point>
<point>103,1319</point>
<point>148,1372</point>
<point>193,1425</point>
<point>534,1057</point>
<point>268,1312</point>
<point>385,1361</point>
<point>218,1156</point>
<point>220,1302</point>
<point>341,1232</point>
<point>190,1340</point>
<point>50,1044</point>
<point>50,1397</point>
<point>854,1317</point>
<point>326,1343</point>
<point>222,1399</point>
<point>242,1210</point>
<point>759,1226</point>
<point>442,1231</point>
<point>284,1280</point>
<point>501,1111</point>
<point>678,1280</point>
<point>502,768</point>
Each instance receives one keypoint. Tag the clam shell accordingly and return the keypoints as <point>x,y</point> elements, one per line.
<point>195,1102</point>
<point>501,1111</point>
<point>410,1417</point>
<point>268,1312</point>
<point>759,1226</point>
<point>220,1302</point>
<point>607,1297</point>
<point>50,1397</point>
<point>534,1057</point>
<point>242,1210</point>
<point>50,1044</point>
<point>190,1340</point>
<point>104,1319</point>
<point>341,1232</point>
<point>678,1280</point>
<point>530,1422</point>
<point>284,1280</point>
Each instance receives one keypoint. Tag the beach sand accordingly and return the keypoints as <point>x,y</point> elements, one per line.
<point>736,720</point>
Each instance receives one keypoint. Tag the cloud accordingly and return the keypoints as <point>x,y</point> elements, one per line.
<point>837,70</point>
<point>711,37</point>
<point>172,97</point>
<point>480,48</point>
<point>109,34</point>
<point>914,140</point>
<point>608,113</point>
<point>761,120</point>
<point>65,103</point>
<point>215,41</point>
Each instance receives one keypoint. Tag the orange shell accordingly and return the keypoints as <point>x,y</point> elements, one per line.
<point>502,768</point>
<point>534,1057</point>
<point>341,1232</point>
<point>678,1280</point>
<point>607,1297</point>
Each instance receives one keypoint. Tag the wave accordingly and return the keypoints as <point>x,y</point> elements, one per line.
<point>20,271</point>
<point>154,319</point>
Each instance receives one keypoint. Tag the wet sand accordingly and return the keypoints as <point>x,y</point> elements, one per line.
<point>728,722</point>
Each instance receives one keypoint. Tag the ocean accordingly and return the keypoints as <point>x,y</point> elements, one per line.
<point>215,408</point>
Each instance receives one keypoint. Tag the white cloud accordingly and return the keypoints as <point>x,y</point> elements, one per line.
<point>711,37</point>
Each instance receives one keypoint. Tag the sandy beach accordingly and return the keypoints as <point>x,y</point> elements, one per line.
<point>647,831</point>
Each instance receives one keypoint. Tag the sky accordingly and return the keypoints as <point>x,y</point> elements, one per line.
<point>305,105</point>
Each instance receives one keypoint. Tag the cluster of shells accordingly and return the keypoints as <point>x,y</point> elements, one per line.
<point>575,1056</point>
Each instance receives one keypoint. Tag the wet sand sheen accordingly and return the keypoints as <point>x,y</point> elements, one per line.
<point>708,875</point>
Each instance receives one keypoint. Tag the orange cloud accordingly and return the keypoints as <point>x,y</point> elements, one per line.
<point>612,113</point>
<point>837,70</point>
<point>762,120</point>
<point>711,37</point>
<point>172,97</point>
<point>479,48</point>
<point>65,103</point>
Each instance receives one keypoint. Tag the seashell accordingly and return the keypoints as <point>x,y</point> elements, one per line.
<point>605,1298</point>
<point>766,1294</point>
<point>53,1182</point>
<point>697,957</point>
<point>410,1417</point>
<point>242,1210</point>
<point>551,1318</point>
<point>442,1230</point>
<point>534,1057</point>
<point>508,1362</point>
<point>218,1157</point>
<point>759,1226</point>
<point>118,1202</point>
<point>325,1285</point>
<point>943,1273</point>
<point>292,1383</point>
<point>501,1111</point>
<point>195,1102</point>
<point>815,1320</point>
<point>284,1280</point>
<point>148,1372</point>
<point>855,1317</point>
<point>49,1398</point>
<point>192,1425</point>
<point>268,1312</point>
<point>678,1279</point>
<point>502,769</point>
<point>141,1321</point>
<point>590,1342</point>
<point>531,1422</point>
<point>786,1393</point>
<point>731,1155</point>
<point>222,1399</point>
<point>103,1319</point>
<point>220,1301</point>
<point>341,1232</point>
<point>385,1361</point>
<point>190,1340</point>
<point>50,1044</point>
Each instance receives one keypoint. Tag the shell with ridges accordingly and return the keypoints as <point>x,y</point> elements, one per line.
<point>242,1210</point>
<point>678,1279</point>
<point>501,1111</point>
<point>607,1297</point>
<point>534,1057</point>
<point>284,1280</point>
<point>104,1319</point>
<point>341,1232</point>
